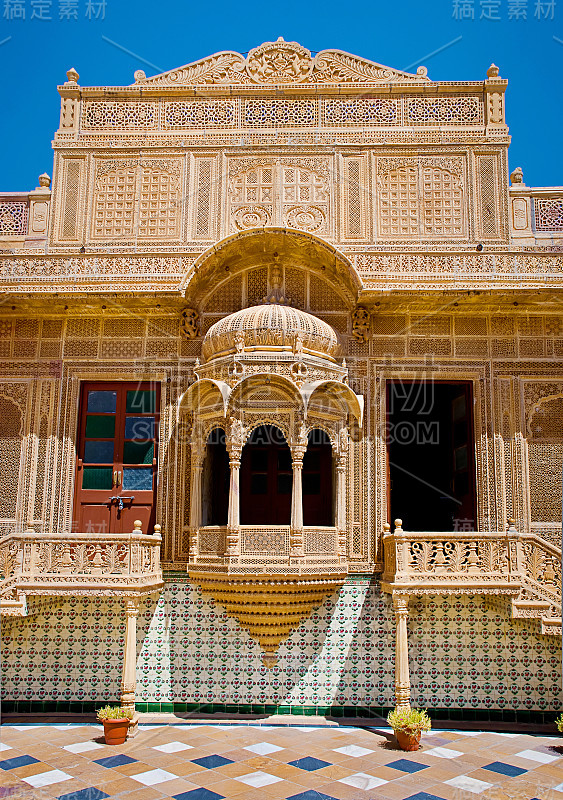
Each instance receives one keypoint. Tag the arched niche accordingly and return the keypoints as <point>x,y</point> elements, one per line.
<point>220,268</point>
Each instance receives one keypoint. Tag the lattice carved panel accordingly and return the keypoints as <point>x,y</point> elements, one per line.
<point>180,114</point>
<point>275,113</point>
<point>548,213</point>
<point>13,218</point>
<point>12,410</point>
<point>289,192</point>
<point>109,114</point>
<point>137,200</point>
<point>421,198</point>
<point>444,111</point>
<point>545,456</point>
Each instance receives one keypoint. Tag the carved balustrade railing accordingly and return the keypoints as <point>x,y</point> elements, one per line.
<point>79,564</point>
<point>426,562</point>
<point>520,565</point>
<point>268,549</point>
<point>540,562</point>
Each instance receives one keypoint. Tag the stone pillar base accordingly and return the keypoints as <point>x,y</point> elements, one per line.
<point>133,726</point>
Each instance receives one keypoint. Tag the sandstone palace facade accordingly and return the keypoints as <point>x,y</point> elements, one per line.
<point>282,398</point>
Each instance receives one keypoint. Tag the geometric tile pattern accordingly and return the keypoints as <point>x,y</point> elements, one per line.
<point>464,654</point>
<point>308,763</point>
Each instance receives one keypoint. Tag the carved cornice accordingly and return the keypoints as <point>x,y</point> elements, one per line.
<point>280,63</point>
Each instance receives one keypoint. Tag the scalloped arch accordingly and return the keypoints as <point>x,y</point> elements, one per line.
<point>256,248</point>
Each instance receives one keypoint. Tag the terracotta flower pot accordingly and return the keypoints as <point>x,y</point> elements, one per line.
<point>115,730</point>
<point>408,740</point>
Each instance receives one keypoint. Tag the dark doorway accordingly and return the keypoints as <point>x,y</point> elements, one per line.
<point>318,504</point>
<point>215,480</point>
<point>431,455</point>
<point>266,478</point>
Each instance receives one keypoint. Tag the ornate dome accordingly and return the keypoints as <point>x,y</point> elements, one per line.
<point>270,327</point>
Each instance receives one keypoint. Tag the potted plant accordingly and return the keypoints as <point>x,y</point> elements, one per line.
<point>559,723</point>
<point>116,723</point>
<point>408,724</point>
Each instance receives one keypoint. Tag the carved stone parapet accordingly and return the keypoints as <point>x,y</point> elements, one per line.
<point>80,564</point>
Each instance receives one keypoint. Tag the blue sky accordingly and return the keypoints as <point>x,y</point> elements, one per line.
<point>35,54</point>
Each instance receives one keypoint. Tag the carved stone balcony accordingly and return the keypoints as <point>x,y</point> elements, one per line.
<point>77,565</point>
<point>266,586</point>
<point>522,567</point>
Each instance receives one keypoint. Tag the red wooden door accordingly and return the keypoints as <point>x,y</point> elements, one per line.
<point>117,457</point>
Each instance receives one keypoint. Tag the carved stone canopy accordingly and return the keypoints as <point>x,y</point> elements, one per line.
<point>278,63</point>
<point>271,327</point>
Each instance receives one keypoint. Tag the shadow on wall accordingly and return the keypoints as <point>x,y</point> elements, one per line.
<point>63,651</point>
<point>192,653</point>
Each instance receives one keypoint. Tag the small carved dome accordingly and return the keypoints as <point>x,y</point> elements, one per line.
<point>270,327</point>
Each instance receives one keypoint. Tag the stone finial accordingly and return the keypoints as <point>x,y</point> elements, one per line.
<point>398,525</point>
<point>137,526</point>
<point>422,72</point>
<point>45,180</point>
<point>493,71</point>
<point>517,176</point>
<point>511,524</point>
<point>386,528</point>
<point>157,529</point>
<point>140,76</point>
<point>72,76</point>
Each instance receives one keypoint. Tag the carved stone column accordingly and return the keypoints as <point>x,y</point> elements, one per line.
<point>341,464</point>
<point>235,443</point>
<point>341,504</point>
<point>402,678</point>
<point>233,517</point>
<point>296,528</point>
<point>195,506</point>
<point>129,678</point>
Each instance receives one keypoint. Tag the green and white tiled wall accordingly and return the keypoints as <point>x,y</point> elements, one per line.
<point>467,659</point>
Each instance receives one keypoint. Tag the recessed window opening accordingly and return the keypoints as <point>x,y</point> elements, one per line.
<point>318,480</point>
<point>266,477</point>
<point>215,479</point>
<point>431,455</point>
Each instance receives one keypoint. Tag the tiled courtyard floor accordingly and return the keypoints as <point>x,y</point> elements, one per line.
<point>268,761</point>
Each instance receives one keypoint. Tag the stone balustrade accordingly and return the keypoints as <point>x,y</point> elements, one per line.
<point>502,562</point>
<point>78,564</point>
<point>267,549</point>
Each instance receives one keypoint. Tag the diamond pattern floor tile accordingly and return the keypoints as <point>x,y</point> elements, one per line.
<point>212,762</point>
<point>468,784</point>
<point>309,763</point>
<point>361,780</point>
<point>47,778</point>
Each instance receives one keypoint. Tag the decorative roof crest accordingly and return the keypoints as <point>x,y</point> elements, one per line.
<point>278,63</point>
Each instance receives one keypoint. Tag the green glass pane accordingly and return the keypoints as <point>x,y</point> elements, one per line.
<point>138,452</point>
<point>141,401</point>
<point>97,478</point>
<point>98,427</point>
